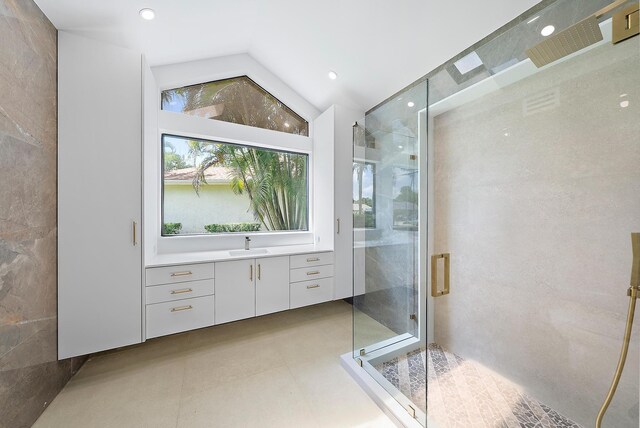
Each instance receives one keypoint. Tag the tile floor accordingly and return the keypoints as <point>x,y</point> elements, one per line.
<point>280,370</point>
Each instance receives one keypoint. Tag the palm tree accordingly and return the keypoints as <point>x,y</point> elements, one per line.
<point>275,182</point>
<point>196,148</point>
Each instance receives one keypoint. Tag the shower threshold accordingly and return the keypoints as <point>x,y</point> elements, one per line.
<point>460,392</point>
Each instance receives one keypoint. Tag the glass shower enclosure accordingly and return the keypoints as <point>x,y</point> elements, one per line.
<point>494,202</point>
<point>389,298</point>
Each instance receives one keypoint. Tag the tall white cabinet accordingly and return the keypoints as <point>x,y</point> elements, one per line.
<point>333,151</point>
<point>99,196</point>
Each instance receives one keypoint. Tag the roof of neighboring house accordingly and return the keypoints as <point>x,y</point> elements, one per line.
<point>213,175</point>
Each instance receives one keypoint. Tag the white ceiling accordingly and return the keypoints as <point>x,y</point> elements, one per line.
<point>377,47</point>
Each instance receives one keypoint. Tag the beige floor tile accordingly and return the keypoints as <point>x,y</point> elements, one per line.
<point>280,370</point>
<point>268,399</point>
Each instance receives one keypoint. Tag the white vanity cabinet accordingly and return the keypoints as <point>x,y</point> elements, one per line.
<point>311,279</point>
<point>235,290</point>
<point>246,288</point>
<point>179,298</point>
<point>272,285</point>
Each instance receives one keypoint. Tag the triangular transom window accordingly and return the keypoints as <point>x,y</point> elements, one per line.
<point>236,100</point>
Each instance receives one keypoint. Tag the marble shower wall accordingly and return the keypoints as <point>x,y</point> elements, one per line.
<point>30,375</point>
<point>537,189</point>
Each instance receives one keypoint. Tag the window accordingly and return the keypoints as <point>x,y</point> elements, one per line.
<point>364,208</point>
<point>214,187</point>
<point>237,100</point>
<point>405,198</point>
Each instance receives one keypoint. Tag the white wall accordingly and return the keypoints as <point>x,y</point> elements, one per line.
<point>215,203</point>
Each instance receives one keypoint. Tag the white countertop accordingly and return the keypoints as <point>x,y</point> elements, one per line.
<point>169,259</point>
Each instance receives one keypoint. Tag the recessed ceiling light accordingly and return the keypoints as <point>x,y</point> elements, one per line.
<point>400,147</point>
<point>333,75</point>
<point>624,104</point>
<point>410,104</point>
<point>533,19</point>
<point>147,14</point>
<point>286,124</point>
<point>548,30</point>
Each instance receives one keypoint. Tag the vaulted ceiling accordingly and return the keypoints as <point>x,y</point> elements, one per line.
<point>376,46</point>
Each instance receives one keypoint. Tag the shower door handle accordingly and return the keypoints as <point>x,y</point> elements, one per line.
<point>434,274</point>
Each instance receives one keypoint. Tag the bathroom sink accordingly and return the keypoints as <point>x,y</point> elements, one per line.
<point>248,252</point>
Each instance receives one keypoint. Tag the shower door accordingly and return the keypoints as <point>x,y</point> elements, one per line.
<point>387,213</point>
<point>536,190</point>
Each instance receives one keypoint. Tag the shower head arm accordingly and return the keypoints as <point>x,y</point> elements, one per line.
<point>609,8</point>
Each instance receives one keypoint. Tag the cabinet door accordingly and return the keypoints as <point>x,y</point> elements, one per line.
<point>235,290</point>
<point>99,196</point>
<point>272,285</point>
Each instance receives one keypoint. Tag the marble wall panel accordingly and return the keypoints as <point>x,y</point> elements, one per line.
<point>30,374</point>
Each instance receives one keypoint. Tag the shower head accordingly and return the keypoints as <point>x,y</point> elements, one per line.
<point>635,266</point>
<point>577,37</point>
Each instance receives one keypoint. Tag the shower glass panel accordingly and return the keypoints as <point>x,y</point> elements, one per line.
<point>388,315</point>
<point>536,184</point>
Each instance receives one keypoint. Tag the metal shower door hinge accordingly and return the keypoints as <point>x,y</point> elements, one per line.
<point>362,352</point>
<point>359,362</point>
<point>411,411</point>
<point>413,317</point>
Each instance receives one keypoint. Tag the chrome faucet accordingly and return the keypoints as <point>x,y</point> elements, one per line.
<point>247,240</point>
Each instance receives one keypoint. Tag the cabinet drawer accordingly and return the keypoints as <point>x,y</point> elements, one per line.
<point>310,292</point>
<point>310,273</point>
<point>182,315</point>
<point>178,273</point>
<point>183,290</point>
<point>314,259</point>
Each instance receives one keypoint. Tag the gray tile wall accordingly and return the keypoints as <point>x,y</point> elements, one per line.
<point>30,375</point>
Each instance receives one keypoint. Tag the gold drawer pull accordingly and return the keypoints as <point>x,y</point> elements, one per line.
<point>183,273</point>
<point>315,272</point>
<point>181,308</point>
<point>313,259</point>
<point>184,290</point>
<point>313,286</point>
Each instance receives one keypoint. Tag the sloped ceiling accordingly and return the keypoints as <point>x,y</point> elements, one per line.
<point>376,46</point>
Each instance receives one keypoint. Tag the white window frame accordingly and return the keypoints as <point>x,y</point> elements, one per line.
<point>180,124</point>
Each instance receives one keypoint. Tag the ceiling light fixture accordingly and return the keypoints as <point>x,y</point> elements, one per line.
<point>286,124</point>
<point>147,14</point>
<point>624,104</point>
<point>333,75</point>
<point>410,104</point>
<point>548,30</point>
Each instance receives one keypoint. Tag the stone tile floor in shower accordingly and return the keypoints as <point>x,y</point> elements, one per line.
<point>465,394</point>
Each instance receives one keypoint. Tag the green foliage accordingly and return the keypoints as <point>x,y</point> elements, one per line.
<point>365,220</point>
<point>232,227</point>
<point>407,195</point>
<point>275,182</point>
<point>171,228</point>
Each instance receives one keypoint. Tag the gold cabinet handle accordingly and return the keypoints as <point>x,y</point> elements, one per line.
<point>251,272</point>
<point>183,273</point>
<point>135,233</point>
<point>434,274</point>
<point>184,290</point>
<point>315,272</point>
<point>259,271</point>
<point>313,286</point>
<point>313,259</point>
<point>181,308</point>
